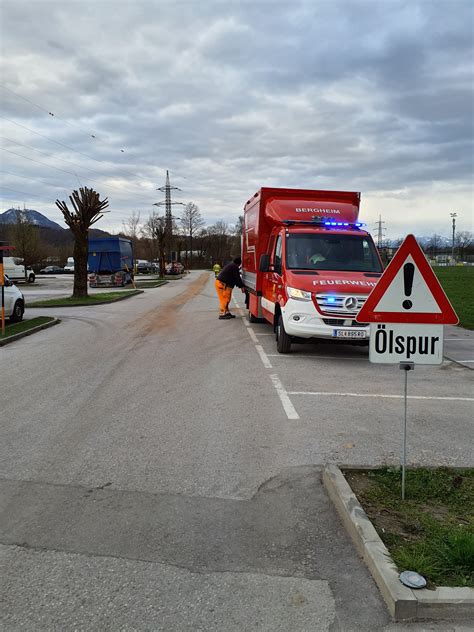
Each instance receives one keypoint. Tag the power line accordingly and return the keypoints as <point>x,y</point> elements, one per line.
<point>75,164</point>
<point>129,173</point>
<point>47,111</point>
<point>104,186</point>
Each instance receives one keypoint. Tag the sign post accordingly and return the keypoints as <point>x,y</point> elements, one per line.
<point>406,311</point>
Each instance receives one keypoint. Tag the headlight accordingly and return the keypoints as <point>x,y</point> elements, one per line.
<point>299,295</point>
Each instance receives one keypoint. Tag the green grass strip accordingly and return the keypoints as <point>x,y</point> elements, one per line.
<point>18,328</point>
<point>458,283</point>
<point>93,299</point>
<point>149,284</point>
<point>432,531</point>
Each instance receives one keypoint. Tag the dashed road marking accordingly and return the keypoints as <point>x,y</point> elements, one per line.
<point>381,395</point>
<point>285,400</point>
<point>263,356</point>
<point>252,335</point>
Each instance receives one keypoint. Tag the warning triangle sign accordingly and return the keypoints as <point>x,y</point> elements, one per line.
<point>408,292</point>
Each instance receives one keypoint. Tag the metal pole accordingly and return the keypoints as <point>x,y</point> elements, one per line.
<point>404,458</point>
<point>453,215</point>
<point>406,366</point>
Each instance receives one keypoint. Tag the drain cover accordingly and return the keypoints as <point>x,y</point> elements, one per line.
<point>412,579</point>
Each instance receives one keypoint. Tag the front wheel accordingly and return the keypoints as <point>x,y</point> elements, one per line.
<point>17,313</point>
<point>31,278</point>
<point>283,339</point>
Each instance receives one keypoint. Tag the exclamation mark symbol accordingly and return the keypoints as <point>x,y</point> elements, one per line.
<point>408,272</point>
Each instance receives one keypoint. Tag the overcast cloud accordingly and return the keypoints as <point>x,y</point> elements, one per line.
<point>372,96</point>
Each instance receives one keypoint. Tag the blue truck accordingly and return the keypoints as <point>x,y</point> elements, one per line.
<point>110,261</point>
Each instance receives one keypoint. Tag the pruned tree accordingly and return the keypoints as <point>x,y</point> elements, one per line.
<point>24,237</point>
<point>191,222</point>
<point>88,209</point>
<point>154,230</point>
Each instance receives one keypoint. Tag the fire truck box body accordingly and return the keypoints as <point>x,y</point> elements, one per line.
<point>307,263</point>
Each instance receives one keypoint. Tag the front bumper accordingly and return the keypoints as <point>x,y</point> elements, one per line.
<point>301,319</point>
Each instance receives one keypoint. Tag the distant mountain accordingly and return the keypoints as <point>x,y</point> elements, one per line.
<point>35,217</point>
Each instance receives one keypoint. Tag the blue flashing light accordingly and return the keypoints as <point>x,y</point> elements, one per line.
<point>333,223</point>
<point>345,224</point>
<point>327,223</point>
<point>339,223</point>
<point>330,299</point>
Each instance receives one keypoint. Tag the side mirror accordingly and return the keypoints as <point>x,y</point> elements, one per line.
<point>264,263</point>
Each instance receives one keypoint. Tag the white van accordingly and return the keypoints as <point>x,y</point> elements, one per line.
<point>14,301</point>
<point>69,267</point>
<point>15,270</point>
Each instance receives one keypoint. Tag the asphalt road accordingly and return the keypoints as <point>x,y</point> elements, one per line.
<point>160,469</point>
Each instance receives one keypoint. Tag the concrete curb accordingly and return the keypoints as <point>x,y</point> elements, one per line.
<point>33,330</point>
<point>114,300</point>
<point>403,602</point>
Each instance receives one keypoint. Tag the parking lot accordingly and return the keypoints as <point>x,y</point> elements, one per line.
<point>159,445</point>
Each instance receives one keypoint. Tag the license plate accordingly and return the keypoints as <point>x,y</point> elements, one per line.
<point>347,333</point>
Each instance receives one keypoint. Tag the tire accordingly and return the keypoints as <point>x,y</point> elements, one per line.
<point>17,314</point>
<point>283,339</point>
<point>31,278</point>
<point>252,318</point>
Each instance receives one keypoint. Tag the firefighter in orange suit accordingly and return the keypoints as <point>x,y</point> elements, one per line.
<point>227,279</point>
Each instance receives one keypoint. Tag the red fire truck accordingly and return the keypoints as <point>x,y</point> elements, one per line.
<point>308,264</point>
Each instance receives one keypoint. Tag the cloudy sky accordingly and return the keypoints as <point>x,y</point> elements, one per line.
<point>367,95</point>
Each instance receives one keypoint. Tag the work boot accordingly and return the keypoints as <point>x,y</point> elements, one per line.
<point>225,317</point>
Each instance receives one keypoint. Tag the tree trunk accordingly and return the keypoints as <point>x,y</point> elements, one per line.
<point>80,265</point>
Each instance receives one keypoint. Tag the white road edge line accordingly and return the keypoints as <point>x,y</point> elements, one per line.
<point>465,361</point>
<point>311,357</point>
<point>252,335</point>
<point>285,400</point>
<point>263,356</point>
<point>382,396</point>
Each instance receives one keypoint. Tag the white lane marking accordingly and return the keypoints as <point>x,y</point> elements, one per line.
<point>263,356</point>
<point>285,400</point>
<point>312,357</point>
<point>252,335</point>
<point>382,396</point>
<point>458,339</point>
<point>465,361</point>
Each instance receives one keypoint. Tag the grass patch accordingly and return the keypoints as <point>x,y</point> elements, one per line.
<point>458,283</point>
<point>149,284</point>
<point>24,325</point>
<point>93,299</point>
<point>432,531</point>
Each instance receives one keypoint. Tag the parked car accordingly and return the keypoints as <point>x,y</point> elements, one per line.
<point>145,267</point>
<point>15,270</point>
<point>174,268</point>
<point>69,267</point>
<point>14,301</point>
<point>52,270</point>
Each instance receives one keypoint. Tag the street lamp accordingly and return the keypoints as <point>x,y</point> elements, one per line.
<point>453,216</point>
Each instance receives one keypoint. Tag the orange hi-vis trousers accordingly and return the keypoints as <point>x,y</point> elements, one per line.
<point>224,294</point>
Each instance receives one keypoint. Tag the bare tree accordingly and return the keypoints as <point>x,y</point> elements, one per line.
<point>191,222</point>
<point>88,209</point>
<point>25,238</point>
<point>154,230</point>
<point>463,242</point>
<point>434,244</point>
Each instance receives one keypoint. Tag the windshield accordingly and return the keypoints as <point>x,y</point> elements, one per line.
<point>311,251</point>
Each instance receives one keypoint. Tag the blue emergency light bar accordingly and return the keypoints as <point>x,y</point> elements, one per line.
<point>345,224</point>
<point>324,221</point>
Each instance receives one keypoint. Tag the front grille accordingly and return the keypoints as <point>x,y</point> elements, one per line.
<point>335,304</point>
<point>341,322</point>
